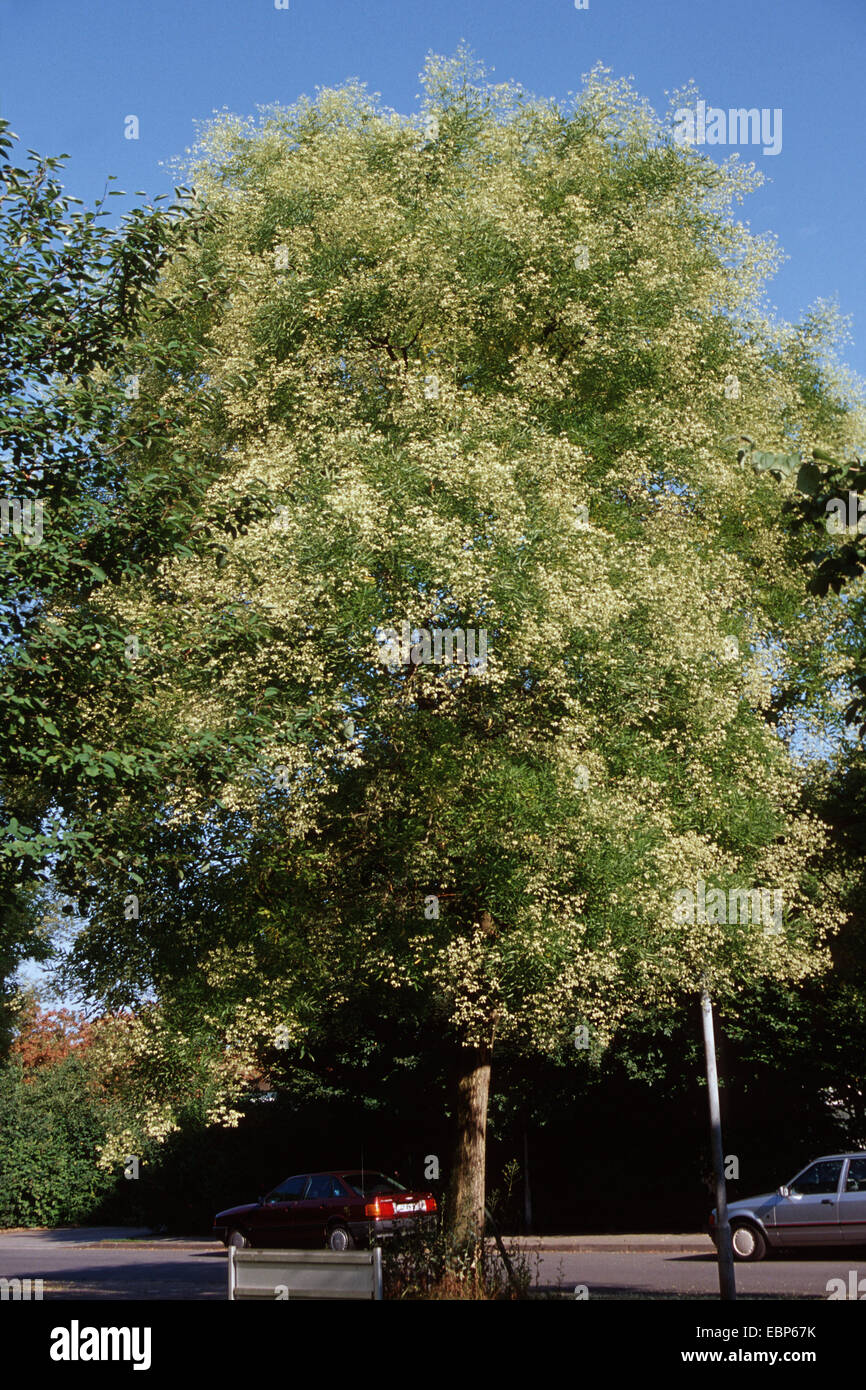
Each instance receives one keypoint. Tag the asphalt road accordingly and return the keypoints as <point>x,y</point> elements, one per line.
<point>667,1275</point>
<point>77,1265</point>
<point>81,1265</point>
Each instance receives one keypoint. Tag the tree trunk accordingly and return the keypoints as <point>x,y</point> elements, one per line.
<point>466,1192</point>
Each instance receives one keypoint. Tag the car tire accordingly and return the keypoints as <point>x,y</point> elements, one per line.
<point>238,1240</point>
<point>748,1242</point>
<point>340,1238</point>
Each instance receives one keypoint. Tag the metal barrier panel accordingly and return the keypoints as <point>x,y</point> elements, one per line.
<point>288,1274</point>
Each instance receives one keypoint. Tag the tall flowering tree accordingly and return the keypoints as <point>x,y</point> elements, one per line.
<point>471,373</point>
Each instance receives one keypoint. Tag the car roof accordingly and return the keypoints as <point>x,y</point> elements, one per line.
<point>822,1158</point>
<point>341,1172</point>
<point>336,1172</point>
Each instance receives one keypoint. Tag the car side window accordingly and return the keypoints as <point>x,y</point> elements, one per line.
<point>322,1188</point>
<point>292,1190</point>
<point>820,1178</point>
<point>856,1181</point>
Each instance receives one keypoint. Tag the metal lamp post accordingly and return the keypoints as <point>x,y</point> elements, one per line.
<point>727,1284</point>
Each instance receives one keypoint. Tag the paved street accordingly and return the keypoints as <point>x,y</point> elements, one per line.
<point>665,1275</point>
<point>105,1264</point>
<point>102,1264</point>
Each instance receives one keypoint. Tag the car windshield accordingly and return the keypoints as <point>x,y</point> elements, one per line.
<point>372,1184</point>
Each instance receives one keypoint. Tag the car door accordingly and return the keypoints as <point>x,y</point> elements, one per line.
<point>279,1221</point>
<point>326,1199</point>
<point>852,1204</point>
<point>809,1214</point>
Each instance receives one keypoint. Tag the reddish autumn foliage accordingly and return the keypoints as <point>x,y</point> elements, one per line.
<point>47,1036</point>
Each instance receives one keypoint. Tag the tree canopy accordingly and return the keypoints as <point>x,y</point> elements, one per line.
<point>464,371</point>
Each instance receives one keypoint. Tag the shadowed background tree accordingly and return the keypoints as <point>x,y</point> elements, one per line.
<point>79,511</point>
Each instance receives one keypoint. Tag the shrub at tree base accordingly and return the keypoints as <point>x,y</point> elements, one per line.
<point>430,1266</point>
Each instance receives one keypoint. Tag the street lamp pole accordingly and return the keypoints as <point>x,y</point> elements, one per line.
<point>727,1284</point>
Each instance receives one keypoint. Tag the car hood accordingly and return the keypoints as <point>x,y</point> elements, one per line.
<point>760,1206</point>
<point>230,1212</point>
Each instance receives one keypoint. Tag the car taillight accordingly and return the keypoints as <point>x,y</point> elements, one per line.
<point>379,1207</point>
<point>429,1203</point>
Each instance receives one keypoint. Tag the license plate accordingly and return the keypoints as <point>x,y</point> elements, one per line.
<point>409,1206</point>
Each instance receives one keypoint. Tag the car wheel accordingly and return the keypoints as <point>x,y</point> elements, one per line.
<point>340,1238</point>
<point>749,1244</point>
<point>238,1240</point>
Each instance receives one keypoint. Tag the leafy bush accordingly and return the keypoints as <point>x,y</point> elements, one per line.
<point>50,1126</point>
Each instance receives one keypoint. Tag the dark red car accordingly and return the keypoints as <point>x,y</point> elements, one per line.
<point>338,1210</point>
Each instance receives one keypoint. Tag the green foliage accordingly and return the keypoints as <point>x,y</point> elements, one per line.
<point>98,490</point>
<point>50,1126</point>
<point>823,488</point>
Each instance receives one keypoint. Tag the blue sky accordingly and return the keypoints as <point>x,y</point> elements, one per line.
<point>71,72</point>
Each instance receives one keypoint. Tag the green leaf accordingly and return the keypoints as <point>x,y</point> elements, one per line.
<point>809,480</point>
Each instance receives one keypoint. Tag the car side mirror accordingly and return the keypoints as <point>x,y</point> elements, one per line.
<point>783,1191</point>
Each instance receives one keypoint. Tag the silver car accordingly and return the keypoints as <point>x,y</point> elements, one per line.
<point>825,1204</point>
